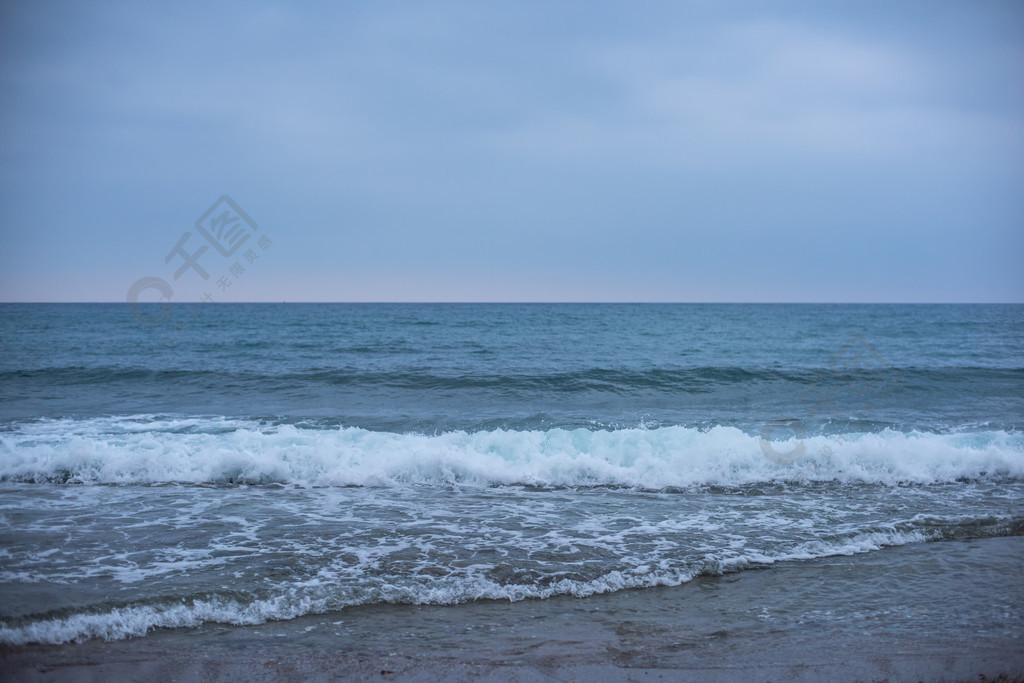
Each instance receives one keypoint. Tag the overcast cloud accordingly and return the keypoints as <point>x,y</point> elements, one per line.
<point>518,151</point>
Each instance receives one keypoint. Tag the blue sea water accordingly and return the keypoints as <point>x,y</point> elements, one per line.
<point>237,463</point>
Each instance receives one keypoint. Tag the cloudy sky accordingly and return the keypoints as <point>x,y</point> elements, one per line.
<point>515,151</point>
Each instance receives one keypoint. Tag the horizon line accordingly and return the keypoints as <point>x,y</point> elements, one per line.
<point>566,302</point>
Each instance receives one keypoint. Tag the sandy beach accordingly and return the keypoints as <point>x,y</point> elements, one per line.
<point>897,616</point>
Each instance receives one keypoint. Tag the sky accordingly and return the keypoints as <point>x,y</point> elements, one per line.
<point>512,151</point>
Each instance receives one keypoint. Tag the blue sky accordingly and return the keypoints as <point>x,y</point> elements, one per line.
<point>526,151</point>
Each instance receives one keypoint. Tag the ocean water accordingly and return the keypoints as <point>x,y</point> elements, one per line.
<point>244,463</point>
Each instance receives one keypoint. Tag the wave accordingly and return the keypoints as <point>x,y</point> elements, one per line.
<point>133,620</point>
<point>222,451</point>
<point>626,380</point>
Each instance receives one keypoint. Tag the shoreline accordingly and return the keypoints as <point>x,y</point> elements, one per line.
<point>913,603</point>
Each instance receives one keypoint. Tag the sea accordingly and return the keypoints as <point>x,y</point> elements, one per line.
<point>172,467</point>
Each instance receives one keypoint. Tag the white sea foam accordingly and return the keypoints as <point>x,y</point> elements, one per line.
<point>138,620</point>
<point>126,622</point>
<point>220,451</point>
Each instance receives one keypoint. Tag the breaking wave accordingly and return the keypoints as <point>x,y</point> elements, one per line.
<point>222,451</point>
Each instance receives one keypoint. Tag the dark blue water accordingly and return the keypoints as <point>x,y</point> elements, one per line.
<point>238,463</point>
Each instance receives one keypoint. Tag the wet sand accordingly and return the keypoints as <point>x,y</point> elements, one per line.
<point>946,611</point>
